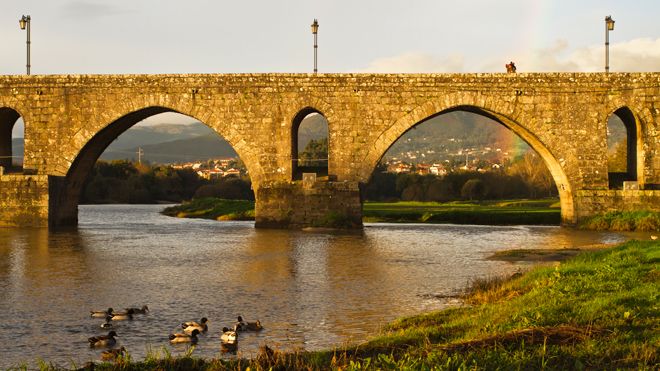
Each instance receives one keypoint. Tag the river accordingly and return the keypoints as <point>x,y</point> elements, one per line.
<point>310,290</point>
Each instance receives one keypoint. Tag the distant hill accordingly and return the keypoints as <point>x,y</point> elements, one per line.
<point>442,137</point>
<point>198,148</point>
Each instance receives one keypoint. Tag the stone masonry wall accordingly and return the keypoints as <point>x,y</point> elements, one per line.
<point>594,202</point>
<point>321,204</point>
<point>23,200</point>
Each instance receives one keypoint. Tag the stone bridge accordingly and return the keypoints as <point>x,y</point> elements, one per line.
<point>70,120</point>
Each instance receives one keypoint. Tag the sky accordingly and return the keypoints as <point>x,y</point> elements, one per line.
<point>218,36</point>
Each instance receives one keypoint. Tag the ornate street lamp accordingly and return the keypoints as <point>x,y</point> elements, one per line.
<point>315,31</point>
<point>609,26</point>
<point>24,22</point>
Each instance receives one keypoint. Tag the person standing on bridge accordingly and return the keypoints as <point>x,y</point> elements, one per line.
<point>510,67</point>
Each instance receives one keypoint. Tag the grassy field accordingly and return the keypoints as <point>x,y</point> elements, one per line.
<point>544,211</point>
<point>598,310</point>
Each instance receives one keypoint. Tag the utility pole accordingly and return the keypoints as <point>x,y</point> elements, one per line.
<point>140,152</point>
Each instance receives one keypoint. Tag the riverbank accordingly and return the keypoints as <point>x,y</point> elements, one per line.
<point>509,212</point>
<point>501,212</point>
<point>213,208</point>
<point>597,310</point>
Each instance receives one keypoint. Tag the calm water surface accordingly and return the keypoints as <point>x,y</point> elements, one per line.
<point>310,290</point>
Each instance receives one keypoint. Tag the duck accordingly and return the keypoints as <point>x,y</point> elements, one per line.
<point>143,310</point>
<point>112,354</point>
<point>229,339</point>
<point>103,340</point>
<point>189,326</point>
<point>122,316</point>
<point>101,313</point>
<point>184,338</point>
<point>248,326</point>
<point>108,323</point>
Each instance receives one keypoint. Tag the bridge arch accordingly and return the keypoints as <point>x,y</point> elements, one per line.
<point>501,112</point>
<point>298,165</point>
<point>8,119</point>
<point>65,190</point>
<point>638,123</point>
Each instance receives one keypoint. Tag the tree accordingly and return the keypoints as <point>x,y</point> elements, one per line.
<point>533,171</point>
<point>473,189</point>
<point>617,158</point>
<point>315,153</point>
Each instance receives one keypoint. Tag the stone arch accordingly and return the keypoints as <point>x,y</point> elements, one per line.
<point>8,118</point>
<point>297,167</point>
<point>499,111</point>
<point>65,190</point>
<point>639,124</point>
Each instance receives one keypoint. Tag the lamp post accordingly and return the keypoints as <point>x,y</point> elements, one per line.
<point>315,31</point>
<point>609,26</point>
<point>24,22</point>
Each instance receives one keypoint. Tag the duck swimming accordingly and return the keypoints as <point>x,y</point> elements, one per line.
<point>101,313</point>
<point>184,338</point>
<point>189,326</point>
<point>122,316</point>
<point>143,310</point>
<point>248,326</point>
<point>103,340</point>
<point>229,340</point>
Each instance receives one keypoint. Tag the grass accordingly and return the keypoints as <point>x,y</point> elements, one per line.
<point>506,212</point>
<point>213,208</point>
<point>598,310</point>
<point>624,221</point>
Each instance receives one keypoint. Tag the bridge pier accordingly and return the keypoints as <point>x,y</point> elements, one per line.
<point>24,200</point>
<point>302,204</point>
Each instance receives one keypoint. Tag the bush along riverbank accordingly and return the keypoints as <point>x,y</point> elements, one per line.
<point>598,310</point>
<point>642,221</point>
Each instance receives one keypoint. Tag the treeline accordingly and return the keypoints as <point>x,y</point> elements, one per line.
<point>124,182</point>
<point>527,178</point>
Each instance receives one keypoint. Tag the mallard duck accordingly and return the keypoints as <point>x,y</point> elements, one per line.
<point>112,354</point>
<point>248,326</point>
<point>122,316</point>
<point>229,340</point>
<point>101,313</point>
<point>189,326</point>
<point>107,323</point>
<point>184,338</point>
<point>142,310</point>
<point>103,340</point>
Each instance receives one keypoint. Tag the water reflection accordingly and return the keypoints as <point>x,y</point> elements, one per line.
<point>310,290</point>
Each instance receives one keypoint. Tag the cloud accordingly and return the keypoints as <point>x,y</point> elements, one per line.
<point>413,62</point>
<point>88,9</point>
<point>637,55</point>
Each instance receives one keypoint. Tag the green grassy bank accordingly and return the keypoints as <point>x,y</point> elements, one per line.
<point>500,212</point>
<point>624,221</point>
<point>598,310</point>
<point>213,208</point>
